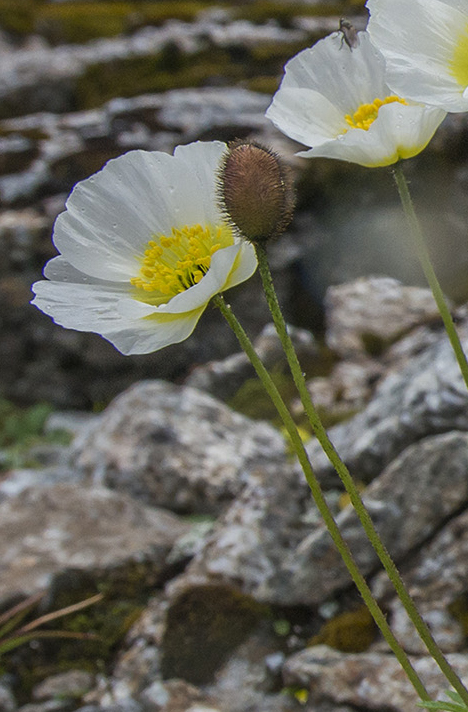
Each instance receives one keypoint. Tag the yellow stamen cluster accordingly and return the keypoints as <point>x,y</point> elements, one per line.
<point>367,113</point>
<point>459,63</point>
<point>171,264</point>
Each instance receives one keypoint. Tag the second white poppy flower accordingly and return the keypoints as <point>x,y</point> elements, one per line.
<point>334,99</point>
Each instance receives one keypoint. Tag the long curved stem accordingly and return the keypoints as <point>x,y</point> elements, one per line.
<point>426,264</point>
<point>320,501</point>
<point>348,482</point>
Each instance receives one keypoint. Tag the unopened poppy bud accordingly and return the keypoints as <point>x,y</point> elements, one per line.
<point>255,191</point>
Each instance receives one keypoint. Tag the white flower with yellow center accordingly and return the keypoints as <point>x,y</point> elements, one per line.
<point>335,99</point>
<point>425,45</point>
<point>143,248</point>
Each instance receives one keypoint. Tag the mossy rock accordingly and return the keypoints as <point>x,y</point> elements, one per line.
<point>17,16</point>
<point>203,626</point>
<point>125,591</point>
<point>284,13</point>
<point>82,21</point>
<point>349,632</point>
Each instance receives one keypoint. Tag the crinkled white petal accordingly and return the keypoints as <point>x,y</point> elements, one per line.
<point>330,81</point>
<point>400,131</point>
<point>159,332</point>
<point>417,39</point>
<point>112,215</point>
<point>346,77</point>
<point>305,115</point>
<point>102,309</point>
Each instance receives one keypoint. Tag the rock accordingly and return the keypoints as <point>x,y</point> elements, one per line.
<point>245,683</point>
<point>48,706</point>
<point>426,397</point>
<point>49,531</point>
<point>436,578</point>
<point>72,684</point>
<point>7,700</point>
<point>173,696</point>
<point>17,481</point>
<point>365,316</point>
<point>123,705</point>
<point>406,511</point>
<point>224,378</point>
<point>345,391</point>
<point>175,447</point>
<point>373,681</point>
<point>251,544</point>
<point>267,545</point>
<point>60,78</point>
<point>68,148</point>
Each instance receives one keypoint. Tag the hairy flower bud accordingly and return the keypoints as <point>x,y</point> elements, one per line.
<point>255,191</point>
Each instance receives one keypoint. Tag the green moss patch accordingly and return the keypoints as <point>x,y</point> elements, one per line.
<point>349,632</point>
<point>203,626</point>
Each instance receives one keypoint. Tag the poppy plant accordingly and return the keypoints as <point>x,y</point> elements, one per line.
<point>143,248</point>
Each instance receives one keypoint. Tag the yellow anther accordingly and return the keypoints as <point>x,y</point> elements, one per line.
<point>366,114</point>
<point>173,263</point>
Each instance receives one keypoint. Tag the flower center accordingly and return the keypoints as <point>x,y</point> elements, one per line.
<point>173,263</point>
<point>367,113</point>
<point>459,63</point>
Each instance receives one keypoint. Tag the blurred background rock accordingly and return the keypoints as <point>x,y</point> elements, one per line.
<point>83,82</point>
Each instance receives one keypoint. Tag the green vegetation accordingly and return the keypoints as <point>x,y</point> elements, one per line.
<point>350,632</point>
<point>83,20</point>
<point>21,429</point>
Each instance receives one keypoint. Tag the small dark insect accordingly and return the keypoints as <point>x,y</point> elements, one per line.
<point>349,33</point>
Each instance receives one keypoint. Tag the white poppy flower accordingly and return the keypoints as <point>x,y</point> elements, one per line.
<point>143,248</point>
<point>425,45</point>
<point>335,99</point>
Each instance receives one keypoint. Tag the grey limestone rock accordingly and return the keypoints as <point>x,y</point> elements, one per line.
<point>72,684</point>
<point>412,498</point>
<point>436,575</point>
<point>426,397</point>
<point>224,378</point>
<point>176,447</point>
<point>372,312</point>
<point>49,531</point>
<point>371,681</point>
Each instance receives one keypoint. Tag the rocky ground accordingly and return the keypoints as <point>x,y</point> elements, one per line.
<point>222,590</point>
<point>181,502</point>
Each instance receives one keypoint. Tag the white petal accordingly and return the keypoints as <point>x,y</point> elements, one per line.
<point>398,132</point>
<point>111,216</point>
<point>244,267</point>
<point>306,116</point>
<point>347,78</point>
<point>84,307</point>
<point>95,308</point>
<point>156,333</point>
<point>417,40</point>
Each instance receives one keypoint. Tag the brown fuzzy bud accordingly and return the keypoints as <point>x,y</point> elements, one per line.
<point>255,191</point>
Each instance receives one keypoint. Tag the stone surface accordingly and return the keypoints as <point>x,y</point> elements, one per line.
<point>436,578</point>
<point>371,681</point>
<point>370,313</point>
<point>175,447</point>
<point>250,544</point>
<point>412,498</point>
<point>224,378</point>
<point>44,78</point>
<point>426,397</point>
<point>7,700</point>
<point>71,684</point>
<point>46,531</point>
